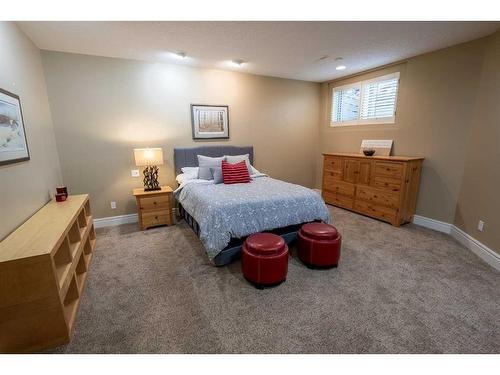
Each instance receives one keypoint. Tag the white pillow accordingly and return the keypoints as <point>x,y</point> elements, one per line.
<point>254,170</point>
<point>190,171</point>
<point>183,177</point>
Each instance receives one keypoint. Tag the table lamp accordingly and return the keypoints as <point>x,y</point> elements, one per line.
<point>149,158</point>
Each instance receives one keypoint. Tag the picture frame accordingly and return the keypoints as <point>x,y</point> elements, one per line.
<point>13,140</point>
<point>209,121</point>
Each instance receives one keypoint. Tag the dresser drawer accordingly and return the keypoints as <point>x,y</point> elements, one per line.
<point>375,210</point>
<point>153,218</point>
<point>341,188</point>
<point>331,177</point>
<point>155,202</point>
<point>386,183</point>
<point>384,198</point>
<point>333,164</point>
<point>392,170</point>
<point>337,199</point>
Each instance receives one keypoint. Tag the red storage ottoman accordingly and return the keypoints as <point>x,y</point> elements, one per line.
<point>264,259</point>
<point>319,245</point>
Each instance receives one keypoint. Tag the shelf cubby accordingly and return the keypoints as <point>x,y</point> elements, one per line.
<point>81,267</point>
<point>62,261</point>
<point>92,237</point>
<point>86,208</point>
<point>82,222</point>
<point>74,237</point>
<point>81,272</point>
<point>87,251</point>
<point>71,302</point>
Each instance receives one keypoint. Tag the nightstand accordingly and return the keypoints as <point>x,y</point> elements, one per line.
<point>154,207</point>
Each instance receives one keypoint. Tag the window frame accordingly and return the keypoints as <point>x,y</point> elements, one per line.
<point>361,84</point>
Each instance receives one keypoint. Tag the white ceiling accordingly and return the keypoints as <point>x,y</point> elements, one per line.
<point>280,49</point>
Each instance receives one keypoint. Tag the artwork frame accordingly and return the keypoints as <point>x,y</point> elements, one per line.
<point>209,121</point>
<point>13,141</point>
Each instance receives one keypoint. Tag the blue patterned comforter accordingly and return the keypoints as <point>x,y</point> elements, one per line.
<point>225,211</point>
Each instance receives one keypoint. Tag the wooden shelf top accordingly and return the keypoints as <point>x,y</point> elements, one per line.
<point>42,231</point>
<point>141,192</point>
<point>393,158</point>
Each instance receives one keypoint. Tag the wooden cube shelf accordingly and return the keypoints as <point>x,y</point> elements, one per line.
<point>43,268</point>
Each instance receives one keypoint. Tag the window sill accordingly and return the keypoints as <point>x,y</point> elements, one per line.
<point>385,121</point>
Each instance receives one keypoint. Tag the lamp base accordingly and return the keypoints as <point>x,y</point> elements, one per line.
<point>151,178</point>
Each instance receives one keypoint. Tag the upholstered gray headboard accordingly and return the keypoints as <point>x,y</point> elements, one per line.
<point>187,156</point>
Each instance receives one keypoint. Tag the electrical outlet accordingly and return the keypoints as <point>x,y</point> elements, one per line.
<point>134,173</point>
<point>113,205</point>
<point>480,225</point>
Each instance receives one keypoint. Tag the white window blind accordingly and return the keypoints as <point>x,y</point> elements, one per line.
<point>346,104</point>
<point>366,102</point>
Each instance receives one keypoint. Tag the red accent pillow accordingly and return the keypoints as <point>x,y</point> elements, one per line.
<point>235,173</point>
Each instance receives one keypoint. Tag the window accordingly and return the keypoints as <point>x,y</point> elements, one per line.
<point>367,102</point>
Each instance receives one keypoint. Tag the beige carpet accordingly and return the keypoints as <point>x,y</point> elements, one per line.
<point>397,290</point>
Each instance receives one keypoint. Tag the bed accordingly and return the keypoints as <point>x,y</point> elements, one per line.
<point>222,216</point>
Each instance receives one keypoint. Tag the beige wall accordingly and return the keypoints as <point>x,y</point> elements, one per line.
<point>479,197</point>
<point>104,107</point>
<point>25,186</point>
<point>434,113</point>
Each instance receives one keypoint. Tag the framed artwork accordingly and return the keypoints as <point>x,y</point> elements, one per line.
<point>210,121</point>
<point>13,143</point>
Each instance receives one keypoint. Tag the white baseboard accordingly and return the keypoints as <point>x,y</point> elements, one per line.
<point>478,248</point>
<point>440,226</point>
<point>118,220</point>
<point>115,220</point>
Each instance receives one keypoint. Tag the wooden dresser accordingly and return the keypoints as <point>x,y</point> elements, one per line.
<point>43,269</point>
<point>383,187</point>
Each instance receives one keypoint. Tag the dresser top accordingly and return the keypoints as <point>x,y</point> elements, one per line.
<point>392,158</point>
<point>42,231</point>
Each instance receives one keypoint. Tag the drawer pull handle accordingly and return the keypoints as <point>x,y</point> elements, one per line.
<point>154,202</point>
<point>156,217</point>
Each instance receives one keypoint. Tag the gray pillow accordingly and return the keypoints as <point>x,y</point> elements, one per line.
<point>217,173</point>
<point>233,159</point>
<point>205,163</point>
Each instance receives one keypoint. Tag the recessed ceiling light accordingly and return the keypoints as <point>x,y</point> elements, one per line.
<point>339,58</point>
<point>340,67</point>
<point>238,63</point>
<point>181,55</point>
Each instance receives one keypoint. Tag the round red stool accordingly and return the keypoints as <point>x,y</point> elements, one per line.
<point>264,259</point>
<point>319,245</point>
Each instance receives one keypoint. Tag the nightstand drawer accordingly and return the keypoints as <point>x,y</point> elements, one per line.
<point>155,202</point>
<point>153,218</point>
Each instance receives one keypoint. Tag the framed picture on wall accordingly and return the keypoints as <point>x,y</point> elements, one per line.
<point>13,143</point>
<point>210,121</point>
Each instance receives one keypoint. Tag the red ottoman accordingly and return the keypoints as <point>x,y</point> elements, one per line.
<point>264,259</point>
<point>319,245</point>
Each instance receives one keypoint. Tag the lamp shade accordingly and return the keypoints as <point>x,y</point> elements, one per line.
<point>148,156</point>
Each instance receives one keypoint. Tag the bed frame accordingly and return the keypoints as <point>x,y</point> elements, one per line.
<point>187,157</point>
